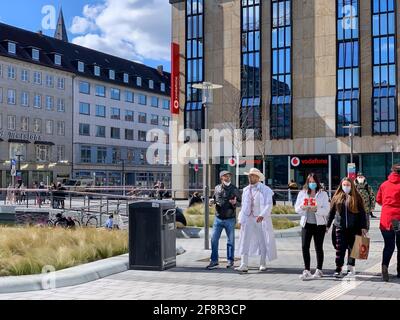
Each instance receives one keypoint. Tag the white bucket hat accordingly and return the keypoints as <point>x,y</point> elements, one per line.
<point>256,172</point>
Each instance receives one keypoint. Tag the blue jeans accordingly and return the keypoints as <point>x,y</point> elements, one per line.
<point>229,226</point>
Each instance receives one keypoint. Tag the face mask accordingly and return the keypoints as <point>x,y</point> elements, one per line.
<point>227,184</point>
<point>346,190</point>
<point>312,185</point>
<point>361,180</point>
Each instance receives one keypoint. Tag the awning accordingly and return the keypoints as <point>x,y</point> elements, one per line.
<point>19,141</point>
<point>45,143</point>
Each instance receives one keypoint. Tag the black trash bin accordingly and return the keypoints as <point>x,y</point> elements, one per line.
<point>152,235</point>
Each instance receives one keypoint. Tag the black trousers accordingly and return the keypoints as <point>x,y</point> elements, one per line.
<point>318,233</point>
<point>392,239</point>
<point>343,240</point>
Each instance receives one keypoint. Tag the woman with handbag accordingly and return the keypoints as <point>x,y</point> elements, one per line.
<point>349,219</point>
<point>389,198</point>
<point>313,205</point>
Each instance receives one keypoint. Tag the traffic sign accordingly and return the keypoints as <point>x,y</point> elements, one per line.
<point>13,162</point>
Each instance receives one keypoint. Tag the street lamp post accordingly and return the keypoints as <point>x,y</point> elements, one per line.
<point>207,90</point>
<point>19,165</point>
<point>351,128</point>
<point>123,176</point>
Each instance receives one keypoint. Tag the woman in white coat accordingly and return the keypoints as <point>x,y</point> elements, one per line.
<point>256,230</point>
<point>313,206</point>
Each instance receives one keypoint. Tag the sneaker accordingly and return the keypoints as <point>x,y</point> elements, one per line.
<point>263,267</point>
<point>338,273</point>
<point>230,264</point>
<point>213,265</point>
<point>351,271</point>
<point>306,275</point>
<point>318,274</point>
<point>242,268</point>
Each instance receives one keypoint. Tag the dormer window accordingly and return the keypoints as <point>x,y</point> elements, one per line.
<point>57,59</point>
<point>97,71</point>
<point>139,81</point>
<point>81,66</point>
<point>151,84</point>
<point>126,78</point>
<point>112,74</point>
<point>12,48</point>
<point>163,87</point>
<point>35,54</point>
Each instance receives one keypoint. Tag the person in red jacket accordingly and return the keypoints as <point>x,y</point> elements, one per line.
<point>389,198</point>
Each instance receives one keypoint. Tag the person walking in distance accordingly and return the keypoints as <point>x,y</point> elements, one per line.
<point>256,229</point>
<point>389,198</point>
<point>293,191</point>
<point>313,206</point>
<point>367,194</point>
<point>227,199</point>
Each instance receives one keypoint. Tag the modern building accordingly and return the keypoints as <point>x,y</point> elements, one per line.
<point>73,112</point>
<point>303,70</point>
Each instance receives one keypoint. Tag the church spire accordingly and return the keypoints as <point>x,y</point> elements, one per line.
<point>61,31</point>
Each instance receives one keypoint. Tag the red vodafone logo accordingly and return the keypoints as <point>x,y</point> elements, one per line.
<point>232,162</point>
<point>295,161</point>
<point>176,104</point>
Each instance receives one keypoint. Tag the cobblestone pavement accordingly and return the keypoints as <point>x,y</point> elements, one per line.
<point>190,280</point>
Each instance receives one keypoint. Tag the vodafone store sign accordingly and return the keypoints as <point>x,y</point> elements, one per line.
<point>309,161</point>
<point>295,161</point>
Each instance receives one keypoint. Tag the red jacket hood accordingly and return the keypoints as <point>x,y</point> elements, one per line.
<point>394,178</point>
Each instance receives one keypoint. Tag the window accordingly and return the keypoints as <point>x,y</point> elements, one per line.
<point>129,96</point>
<point>151,84</point>
<point>60,105</point>
<point>115,94</point>
<point>384,100</point>
<point>61,83</point>
<point>11,72</point>
<point>37,125</point>
<point>153,137</point>
<point>81,66</point>
<point>115,133</point>
<point>11,99</point>
<point>17,148</point>
<point>154,102</point>
<point>25,99</point>
<point>24,124</point>
<point>129,115</point>
<point>142,117</point>
<point>57,59</point>
<point>116,155</point>
<point>86,154</point>
<point>60,153</point>
<point>115,113</point>
<point>84,108</point>
<point>24,75</point>
<point>11,123</point>
<point>139,81</point>
<point>12,48</point>
<point>142,99</point>
<point>84,87</point>
<point>163,87</point>
<point>100,91</point>
<point>61,128</point>
<point>281,82</point>
<point>112,74</point>
<point>194,63</point>
<point>43,153</point>
<point>100,111</point>
<point>37,103</point>
<point>130,155</point>
<point>84,129</point>
<point>37,77</point>
<point>101,155</point>
<point>97,71</point>
<point>154,120</point>
<point>49,127</point>
<point>126,78</point>
<point>35,54</point>
<point>128,134</point>
<point>166,104</point>
<point>142,135</point>
<point>49,81</point>
<point>165,121</point>
<point>348,74</point>
<point>49,103</point>
<point>100,131</point>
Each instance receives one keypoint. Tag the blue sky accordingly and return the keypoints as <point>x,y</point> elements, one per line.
<point>138,30</point>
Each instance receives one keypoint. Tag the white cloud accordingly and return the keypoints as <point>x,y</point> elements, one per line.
<point>132,29</point>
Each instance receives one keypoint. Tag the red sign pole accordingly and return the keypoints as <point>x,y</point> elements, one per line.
<point>175,78</point>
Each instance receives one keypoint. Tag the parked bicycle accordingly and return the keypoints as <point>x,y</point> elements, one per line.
<point>63,222</point>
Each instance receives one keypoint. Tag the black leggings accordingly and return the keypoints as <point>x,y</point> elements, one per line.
<point>392,239</point>
<point>343,240</point>
<point>307,233</point>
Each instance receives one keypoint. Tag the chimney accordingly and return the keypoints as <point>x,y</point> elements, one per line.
<point>160,69</point>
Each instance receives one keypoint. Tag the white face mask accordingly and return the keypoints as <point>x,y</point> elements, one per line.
<point>227,184</point>
<point>361,180</point>
<point>346,189</point>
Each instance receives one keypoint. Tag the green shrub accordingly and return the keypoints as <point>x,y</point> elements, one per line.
<point>198,210</point>
<point>283,210</point>
<point>281,224</point>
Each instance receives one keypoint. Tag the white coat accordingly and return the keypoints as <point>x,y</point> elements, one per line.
<point>323,207</point>
<point>266,204</point>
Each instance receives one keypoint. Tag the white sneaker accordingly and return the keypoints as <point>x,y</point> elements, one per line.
<point>351,273</point>
<point>318,274</point>
<point>242,268</point>
<point>263,267</point>
<point>306,275</point>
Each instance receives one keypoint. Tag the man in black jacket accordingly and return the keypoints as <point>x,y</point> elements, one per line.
<point>227,199</point>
